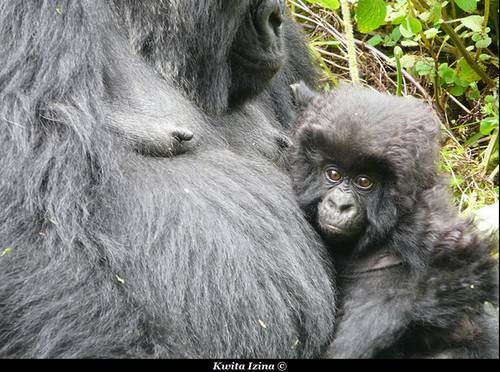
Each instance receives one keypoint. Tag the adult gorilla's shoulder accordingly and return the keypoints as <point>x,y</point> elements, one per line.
<point>114,253</point>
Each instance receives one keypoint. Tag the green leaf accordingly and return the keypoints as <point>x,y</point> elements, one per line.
<point>407,61</point>
<point>456,181</point>
<point>393,38</point>
<point>399,19</point>
<point>489,99</point>
<point>446,73</point>
<point>431,33</point>
<point>483,43</point>
<point>411,26</point>
<point>457,90</point>
<point>329,4</point>
<point>388,42</point>
<point>435,12</point>
<point>370,14</point>
<point>473,92</point>
<point>396,34</point>
<point>476,36</point>
<point>466,73</point>
<point>473,22</point>
<point>424,16</point>
<point>488,125</point>
<point>473,140</point>
<point>461,83</point>
<point>375,40</point>
<point>469,6</point>
<point>423,68</point>
<point>409,43</point>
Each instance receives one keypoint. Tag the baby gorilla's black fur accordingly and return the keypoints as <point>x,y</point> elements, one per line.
<point>414,277</point>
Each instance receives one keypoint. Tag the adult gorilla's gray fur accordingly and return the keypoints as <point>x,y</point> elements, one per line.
<point>115,253</point>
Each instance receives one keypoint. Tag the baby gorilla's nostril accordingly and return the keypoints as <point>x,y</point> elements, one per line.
<point>346,207</point>
<point>341,206</point>
<point>268,19</point>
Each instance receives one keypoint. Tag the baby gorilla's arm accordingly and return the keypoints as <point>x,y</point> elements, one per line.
<point>373,317</point>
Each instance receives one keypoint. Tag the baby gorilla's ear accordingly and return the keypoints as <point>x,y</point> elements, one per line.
<point>302,94</point>
<point>428,119</point>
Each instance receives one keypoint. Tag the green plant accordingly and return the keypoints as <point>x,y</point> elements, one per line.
<point>444,51</point>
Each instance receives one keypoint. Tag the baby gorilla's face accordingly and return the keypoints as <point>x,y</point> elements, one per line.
<point>341,213</point>
<point>359,159</point>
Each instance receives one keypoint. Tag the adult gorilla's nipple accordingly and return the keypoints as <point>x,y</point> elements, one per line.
<point>268,19</point>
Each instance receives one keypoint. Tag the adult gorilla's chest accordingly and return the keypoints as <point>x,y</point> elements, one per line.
<point>253,131</point>
<point>236,257</point>
<point>215,252</point>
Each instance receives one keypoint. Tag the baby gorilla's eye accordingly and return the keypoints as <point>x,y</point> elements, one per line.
<point>364,182</point>
<point>333,175</point>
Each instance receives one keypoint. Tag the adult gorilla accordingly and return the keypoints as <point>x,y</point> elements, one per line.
<point>107,251</point>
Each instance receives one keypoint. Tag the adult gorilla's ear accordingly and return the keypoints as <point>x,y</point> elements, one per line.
<point>302,94</point>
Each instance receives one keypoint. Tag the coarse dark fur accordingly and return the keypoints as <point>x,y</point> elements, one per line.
<point>108,252</point>
<point>414,282</point>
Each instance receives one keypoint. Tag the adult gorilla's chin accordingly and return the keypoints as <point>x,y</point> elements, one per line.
<point>220,70</point>
<point>254,64</point>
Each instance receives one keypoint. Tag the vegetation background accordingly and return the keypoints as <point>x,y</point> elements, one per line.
<point>445,52</point>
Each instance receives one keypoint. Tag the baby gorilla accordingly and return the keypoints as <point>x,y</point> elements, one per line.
<point>415,280</point>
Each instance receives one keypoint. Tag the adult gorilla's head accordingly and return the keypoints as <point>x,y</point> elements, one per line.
<point>244,45</point>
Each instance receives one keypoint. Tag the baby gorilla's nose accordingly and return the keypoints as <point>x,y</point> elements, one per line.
<point>339,215</point>
<point>342,204</point>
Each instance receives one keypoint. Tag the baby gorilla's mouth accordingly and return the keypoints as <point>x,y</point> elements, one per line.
<point>332,229</point>
<point>338,233</point>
